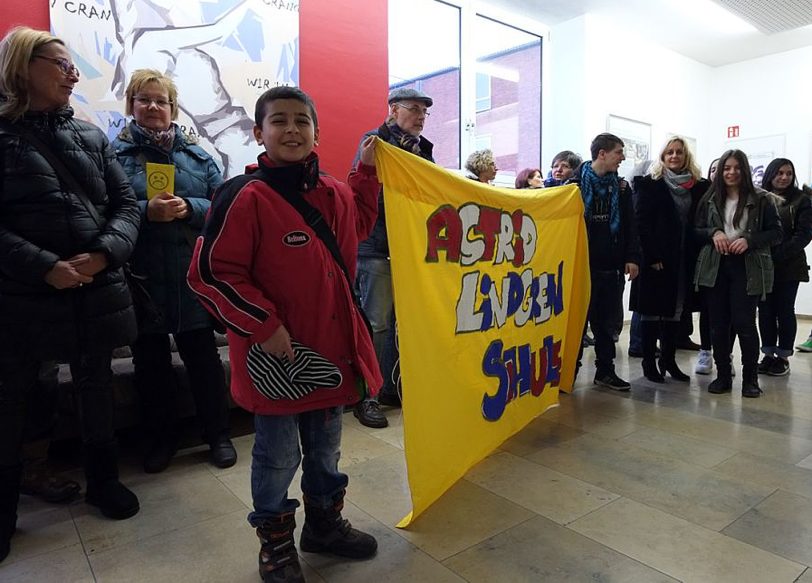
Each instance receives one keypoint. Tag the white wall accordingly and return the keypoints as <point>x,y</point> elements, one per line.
<point>597,67</point>
<point>768,96</point>
<point>563,96</point>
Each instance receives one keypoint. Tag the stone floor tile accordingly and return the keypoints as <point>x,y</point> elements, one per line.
<point>551,494</point>
<point>680,548</point>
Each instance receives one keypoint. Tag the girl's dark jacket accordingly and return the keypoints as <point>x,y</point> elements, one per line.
<point>42,221</point>
<point>664,239</point>
<point>789,257</point>
<point>762,231</point>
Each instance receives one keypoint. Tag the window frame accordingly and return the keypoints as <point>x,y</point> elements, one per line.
<point>469,11</point>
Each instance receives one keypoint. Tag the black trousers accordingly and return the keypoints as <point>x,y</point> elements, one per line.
<point>158,386</point>
<point>776,319</point>
<point>92,381</point>
<point>605,301</point>
<point>730,308</point>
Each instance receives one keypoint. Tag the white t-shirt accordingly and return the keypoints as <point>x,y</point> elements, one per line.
<point>730,209</point>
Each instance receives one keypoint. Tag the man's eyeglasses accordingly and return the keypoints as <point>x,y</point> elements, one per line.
<point>414,109</point>
<point>147,101</point>
<point>64,65</point>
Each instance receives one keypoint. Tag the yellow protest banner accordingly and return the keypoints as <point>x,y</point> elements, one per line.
<point>160,178</point>
<point>491,292</point>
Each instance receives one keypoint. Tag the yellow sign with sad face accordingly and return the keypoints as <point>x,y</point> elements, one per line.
<point>160,178</point>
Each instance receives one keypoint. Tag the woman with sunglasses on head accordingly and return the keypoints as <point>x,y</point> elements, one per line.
<point>170,225</point>
<point>667,199</point>
<point>737,223</point>
<point>68,223</point>
<point>776,314</point>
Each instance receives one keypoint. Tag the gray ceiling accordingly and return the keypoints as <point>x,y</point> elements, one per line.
<point>781,25</point>
<point>772,16</point>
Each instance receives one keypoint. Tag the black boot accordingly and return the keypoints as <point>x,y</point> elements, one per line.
<point>278,561</point>
<point>9,496</point>
<point>104,490</point>
<point>650,331</point>
<point>325,531</point>
<point>668,352</point>
<point>723,383</point>
<point>750,386</point>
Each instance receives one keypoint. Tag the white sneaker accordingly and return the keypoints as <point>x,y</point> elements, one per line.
<point>704,363</point>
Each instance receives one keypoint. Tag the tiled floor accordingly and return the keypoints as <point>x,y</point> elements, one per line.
<point>665,483</point>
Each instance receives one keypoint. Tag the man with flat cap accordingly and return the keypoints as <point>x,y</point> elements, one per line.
<point>408,110</point>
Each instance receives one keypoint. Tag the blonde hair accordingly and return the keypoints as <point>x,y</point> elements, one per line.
<point>142,77</point>
<point>17,48</point>
<point>690,163</point>
<point>480,161</point>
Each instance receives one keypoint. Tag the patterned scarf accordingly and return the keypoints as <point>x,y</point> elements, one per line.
<point>164,139</point>
<point>604,186</point>
<point>403,140</point>
<point>680,187</point>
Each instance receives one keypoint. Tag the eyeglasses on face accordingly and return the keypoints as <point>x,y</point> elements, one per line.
<point>64,65</point>
<point>147,101</point>
<point>414,109</point>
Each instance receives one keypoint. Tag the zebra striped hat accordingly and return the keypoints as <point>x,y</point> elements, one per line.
<point>277,378</point>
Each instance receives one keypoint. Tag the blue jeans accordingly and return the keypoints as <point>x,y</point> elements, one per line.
<point>276,457</point>
<point>374,283</point>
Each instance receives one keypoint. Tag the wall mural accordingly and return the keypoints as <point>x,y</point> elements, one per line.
<point>222,54</point>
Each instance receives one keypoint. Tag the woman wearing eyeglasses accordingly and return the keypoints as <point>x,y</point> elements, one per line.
<point>170,224</point>
<point>68,222</point>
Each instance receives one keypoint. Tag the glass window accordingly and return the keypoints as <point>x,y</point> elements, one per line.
<point>511,61</point>
<point>483,142</point>
<point>424,53</point>
<point>492,94</point>
<point>483,92</point>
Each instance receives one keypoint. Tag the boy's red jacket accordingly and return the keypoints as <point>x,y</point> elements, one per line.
<point>259,265</point>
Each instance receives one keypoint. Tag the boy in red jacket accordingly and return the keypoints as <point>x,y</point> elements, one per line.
<point>268,275</point>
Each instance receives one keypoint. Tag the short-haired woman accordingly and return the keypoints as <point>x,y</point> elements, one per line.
<point>529,178</point>
<point>170,224</point>
<point>481,166</point>
<point>562,168</point>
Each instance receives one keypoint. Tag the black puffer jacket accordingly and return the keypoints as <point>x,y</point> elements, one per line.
<point>41,223</point>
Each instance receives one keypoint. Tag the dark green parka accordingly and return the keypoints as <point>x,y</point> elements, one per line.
<point>762,231</point>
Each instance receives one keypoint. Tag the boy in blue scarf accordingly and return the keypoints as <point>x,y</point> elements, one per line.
<point>613,248</point>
